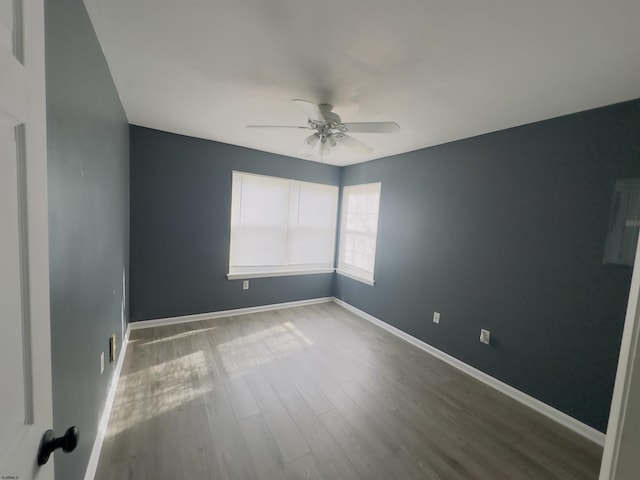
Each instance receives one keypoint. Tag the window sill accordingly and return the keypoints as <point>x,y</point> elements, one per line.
<point>285,273</point>
<point>358,278</point>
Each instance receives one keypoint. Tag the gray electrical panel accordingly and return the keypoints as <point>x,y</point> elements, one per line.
<point>624,223</point>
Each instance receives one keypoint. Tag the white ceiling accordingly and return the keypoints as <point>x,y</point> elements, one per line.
<point>442,69</point>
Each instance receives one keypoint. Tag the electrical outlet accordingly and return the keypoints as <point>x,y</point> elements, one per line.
<point>485,336</point>
<point>112,348</point>
<point>101,363</point>
<point>245,284</point>
<point>436,317</point>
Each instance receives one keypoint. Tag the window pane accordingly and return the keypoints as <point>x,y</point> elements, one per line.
<point>359,228</point>
<point>312,234</point>
<point>311,246</point>
<point>264,201</point>
<point>258,247</point>
<point>317,206</point>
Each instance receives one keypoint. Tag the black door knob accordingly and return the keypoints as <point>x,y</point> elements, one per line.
<point>68,442</point>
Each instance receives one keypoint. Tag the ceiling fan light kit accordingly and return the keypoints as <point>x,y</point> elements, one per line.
<point>331,131</point>
<point>311,140</point>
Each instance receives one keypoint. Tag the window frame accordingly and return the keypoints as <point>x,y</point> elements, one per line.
<point>294,190</point>
<point>348,270</point>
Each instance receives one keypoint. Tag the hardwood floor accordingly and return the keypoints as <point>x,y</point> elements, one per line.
<point>316,392</point>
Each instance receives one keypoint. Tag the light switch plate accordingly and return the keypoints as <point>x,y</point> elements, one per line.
<point>485,336</point>
<point>436,317</point>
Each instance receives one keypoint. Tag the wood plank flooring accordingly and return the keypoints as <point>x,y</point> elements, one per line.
<point>315,392</point>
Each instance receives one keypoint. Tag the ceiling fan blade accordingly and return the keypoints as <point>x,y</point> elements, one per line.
<point>276,126</point>
<point>353,143</point>
<point>372,127</point>
<point>311,109</point>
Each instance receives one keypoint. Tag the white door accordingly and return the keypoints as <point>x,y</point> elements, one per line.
<point>25,349</point>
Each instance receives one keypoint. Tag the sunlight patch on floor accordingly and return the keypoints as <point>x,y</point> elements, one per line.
<point>153,391</point>
<point>242,354</point>
<point>177,336</point>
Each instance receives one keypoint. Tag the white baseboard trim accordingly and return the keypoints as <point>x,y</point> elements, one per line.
<point>94,458</point>
<point>541,407</point>
<point>225,313</point>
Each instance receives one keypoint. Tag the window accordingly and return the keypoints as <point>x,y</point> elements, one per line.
<point>358,231</point>
<point>281,226</point>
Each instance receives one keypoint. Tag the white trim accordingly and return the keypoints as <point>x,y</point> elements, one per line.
<point>355,277</point>
<point>276,273</point>
<point>225,313</point>
<point>92,466</point>
<point>541,407</point>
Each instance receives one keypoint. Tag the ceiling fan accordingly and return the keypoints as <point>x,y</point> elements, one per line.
<point>330,131</point>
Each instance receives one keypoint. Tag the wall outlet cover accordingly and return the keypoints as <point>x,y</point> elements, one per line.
<point>112,348</point>
<point>436,317</point>
<point>101,363</point>
<point>245,284</point>
<point>485,336</point>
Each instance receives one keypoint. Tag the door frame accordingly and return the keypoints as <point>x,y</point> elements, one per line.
<point>629,352</point>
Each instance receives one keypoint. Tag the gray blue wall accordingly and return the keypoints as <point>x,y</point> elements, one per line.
<point>180,217</point>
<point>88,154</point>
<point>506,232</point>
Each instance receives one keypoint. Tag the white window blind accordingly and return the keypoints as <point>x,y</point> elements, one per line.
<point>359,231</point>
<point>281,226</point>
